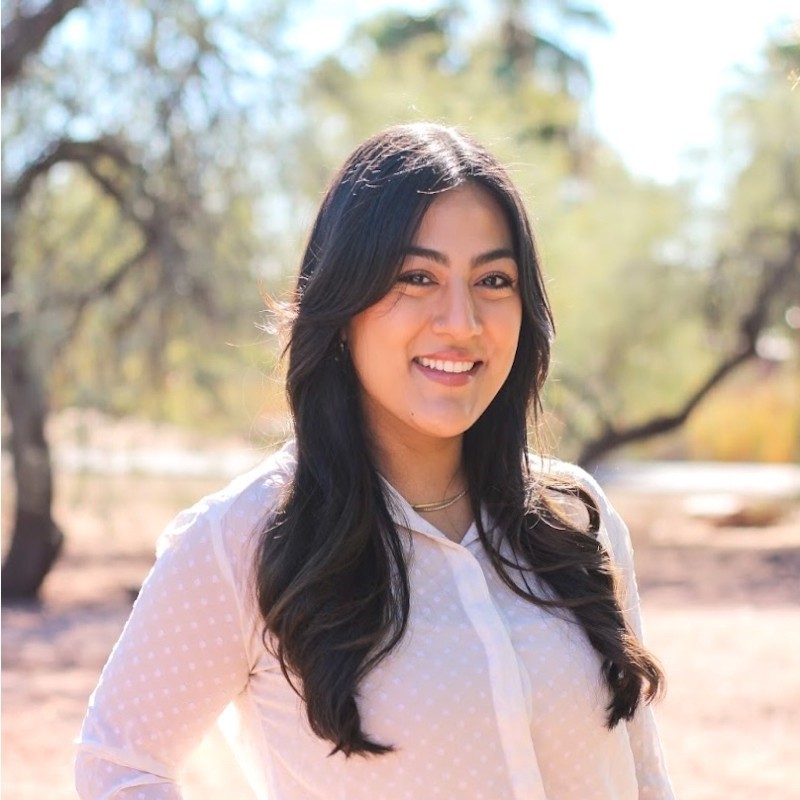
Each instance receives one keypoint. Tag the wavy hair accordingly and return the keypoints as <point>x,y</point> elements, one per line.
<point>331,578</point>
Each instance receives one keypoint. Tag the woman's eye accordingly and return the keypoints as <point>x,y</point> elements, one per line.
<point>497,280</point>
<point>415,279</point>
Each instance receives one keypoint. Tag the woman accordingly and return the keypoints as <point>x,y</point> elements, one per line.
<point>401,603</point>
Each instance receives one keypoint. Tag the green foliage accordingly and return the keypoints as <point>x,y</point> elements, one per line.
<point>232,143</point>
<point>760,210</point>
<point>136,268</point>
<point>161,344</point>
<point>431,75</point>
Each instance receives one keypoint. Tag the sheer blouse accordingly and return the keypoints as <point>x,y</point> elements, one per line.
<point>486,697</point>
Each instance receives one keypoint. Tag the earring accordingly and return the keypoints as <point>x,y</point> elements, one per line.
<point>341,350</point>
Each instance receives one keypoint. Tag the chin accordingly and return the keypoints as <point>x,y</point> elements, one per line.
<point>445,430</point>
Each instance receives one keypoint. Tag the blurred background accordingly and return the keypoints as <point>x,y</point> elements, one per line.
<point>162,162</point>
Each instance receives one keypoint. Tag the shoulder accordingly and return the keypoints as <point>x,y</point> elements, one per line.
<point>232,517</point>
<point>613,532</point>
<point>549,466</point>
<point>564,474</point>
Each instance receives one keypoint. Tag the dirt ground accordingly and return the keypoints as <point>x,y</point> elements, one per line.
<point>721,604</point>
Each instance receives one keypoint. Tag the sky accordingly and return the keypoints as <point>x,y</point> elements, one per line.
<point>658,76</point>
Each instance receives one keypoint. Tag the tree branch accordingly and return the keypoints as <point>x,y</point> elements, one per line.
<point>89,154</point>
<point>25,34</point>
<point>80,303</point>
<point>111,283</point>
<point>65,150</point>
<point>585,396</point>
<point>151,216</point>
<point>777,276</point>
<point>613,438</point>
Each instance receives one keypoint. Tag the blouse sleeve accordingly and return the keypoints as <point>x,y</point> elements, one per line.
<point>651,772</point>
<point>181,658</point>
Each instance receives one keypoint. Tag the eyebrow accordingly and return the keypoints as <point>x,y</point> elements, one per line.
<point>440,258</point>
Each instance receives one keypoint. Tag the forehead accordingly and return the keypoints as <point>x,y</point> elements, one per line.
<point>466,212</point>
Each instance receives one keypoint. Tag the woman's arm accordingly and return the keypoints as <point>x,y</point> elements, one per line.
<point>180,659</point>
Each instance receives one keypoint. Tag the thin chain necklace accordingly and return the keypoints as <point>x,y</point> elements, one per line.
<point>439,504</point>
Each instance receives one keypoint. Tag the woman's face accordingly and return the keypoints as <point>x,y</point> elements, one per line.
<point>432,353</point>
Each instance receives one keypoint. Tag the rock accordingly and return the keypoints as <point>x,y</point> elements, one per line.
<point>731,510</point>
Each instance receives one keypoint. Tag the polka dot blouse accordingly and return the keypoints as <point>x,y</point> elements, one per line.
<point>487,697</point>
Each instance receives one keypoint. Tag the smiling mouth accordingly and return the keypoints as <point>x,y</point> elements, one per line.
<point>451,367</point>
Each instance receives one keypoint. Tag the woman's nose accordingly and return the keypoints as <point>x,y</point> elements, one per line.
<point>456,314</point>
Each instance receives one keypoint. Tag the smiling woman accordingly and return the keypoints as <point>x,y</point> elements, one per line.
<point>434,351</point>
<point>403,602</point>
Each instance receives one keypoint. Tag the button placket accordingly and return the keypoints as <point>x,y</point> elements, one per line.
<point>511,702</point>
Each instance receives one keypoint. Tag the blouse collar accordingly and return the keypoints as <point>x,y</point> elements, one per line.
<point>403,514</point>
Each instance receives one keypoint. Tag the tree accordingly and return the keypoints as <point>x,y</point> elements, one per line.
<point>37,539</point>
<point>527,48</point>
<point>130,166</point>
<point>752,277</point>
<point>438,68</point>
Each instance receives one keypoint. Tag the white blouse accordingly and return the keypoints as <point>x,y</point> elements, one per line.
<point>487,696</point>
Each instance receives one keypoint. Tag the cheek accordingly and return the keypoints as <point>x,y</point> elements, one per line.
<point>383,330</point>
<point>507,324</point>
<point>374,348</point>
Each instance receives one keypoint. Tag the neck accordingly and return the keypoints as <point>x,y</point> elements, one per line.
<point>429,474</point>
<point>422,474</point>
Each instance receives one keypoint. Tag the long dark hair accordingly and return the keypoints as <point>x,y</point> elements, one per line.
<point>332,582</point>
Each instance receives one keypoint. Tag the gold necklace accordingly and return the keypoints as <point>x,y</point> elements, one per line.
<point>439,504</point>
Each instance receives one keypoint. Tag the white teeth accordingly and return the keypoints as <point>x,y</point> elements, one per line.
<point>446,366</point>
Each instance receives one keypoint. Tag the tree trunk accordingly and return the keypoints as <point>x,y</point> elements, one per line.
<point>36,539</point>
